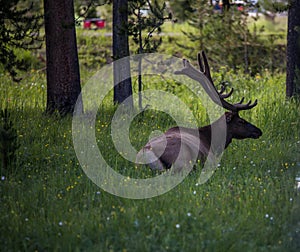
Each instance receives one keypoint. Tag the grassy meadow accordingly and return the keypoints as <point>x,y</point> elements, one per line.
<point>251,203</point>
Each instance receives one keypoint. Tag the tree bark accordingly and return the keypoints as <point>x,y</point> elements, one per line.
<point>226,5</point>
<point>293,50</point>
<point>63,78</point>
<point>122,79</point>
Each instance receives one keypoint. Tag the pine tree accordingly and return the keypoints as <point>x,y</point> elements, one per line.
<point>19,29</point>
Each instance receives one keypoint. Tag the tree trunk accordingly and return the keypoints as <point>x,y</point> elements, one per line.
<point>226,5</point>
<point>122,79</point>
<point>63,78</point>
<point>293,50</point>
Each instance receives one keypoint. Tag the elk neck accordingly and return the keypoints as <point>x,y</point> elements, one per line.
<point>220,128</point>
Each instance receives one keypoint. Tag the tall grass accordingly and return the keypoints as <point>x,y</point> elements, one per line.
<point>250,203</point>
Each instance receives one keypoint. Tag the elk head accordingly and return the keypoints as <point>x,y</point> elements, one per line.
<point>239,128</point>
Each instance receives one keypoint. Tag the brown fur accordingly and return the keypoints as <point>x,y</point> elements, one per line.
<point>163,151</point>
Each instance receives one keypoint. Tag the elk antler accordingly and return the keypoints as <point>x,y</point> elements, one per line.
<point>204,78</point>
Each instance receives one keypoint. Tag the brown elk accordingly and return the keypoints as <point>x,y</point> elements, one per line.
<point>179,145</point>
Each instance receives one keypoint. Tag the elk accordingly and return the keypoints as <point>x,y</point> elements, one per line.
<point>179,145</point>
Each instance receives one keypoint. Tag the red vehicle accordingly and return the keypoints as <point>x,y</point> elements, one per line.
<point>98,23</point>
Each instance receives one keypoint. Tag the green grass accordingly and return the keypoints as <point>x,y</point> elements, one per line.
<point>250,203</point>
<point>279,25</point>
<point>276,30</point>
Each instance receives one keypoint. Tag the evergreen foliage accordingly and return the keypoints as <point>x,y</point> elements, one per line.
<point>181,9</point>
<point>146,16</point>
<point>19,29</point>
<point>226,37</point>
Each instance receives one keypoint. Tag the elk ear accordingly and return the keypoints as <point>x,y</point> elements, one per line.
<point>229,117</point>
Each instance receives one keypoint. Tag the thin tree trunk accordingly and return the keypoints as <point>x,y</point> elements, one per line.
<point>226,5</point>
<point>293,50</point>
<point>140,86</point>
<point>122,77</point>
<point>63,78</point>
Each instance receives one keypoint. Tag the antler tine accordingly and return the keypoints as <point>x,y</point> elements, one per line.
<point>204,69</point>
<point>240,106</point>
<point>242,100</point>
<point>223,87</point>
<point>200,63</point>
<point>224,96</point>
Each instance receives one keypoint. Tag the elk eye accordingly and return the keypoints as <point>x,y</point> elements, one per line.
<point>241,122</point>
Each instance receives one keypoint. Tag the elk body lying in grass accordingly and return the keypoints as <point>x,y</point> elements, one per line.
<point>178,146</point>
